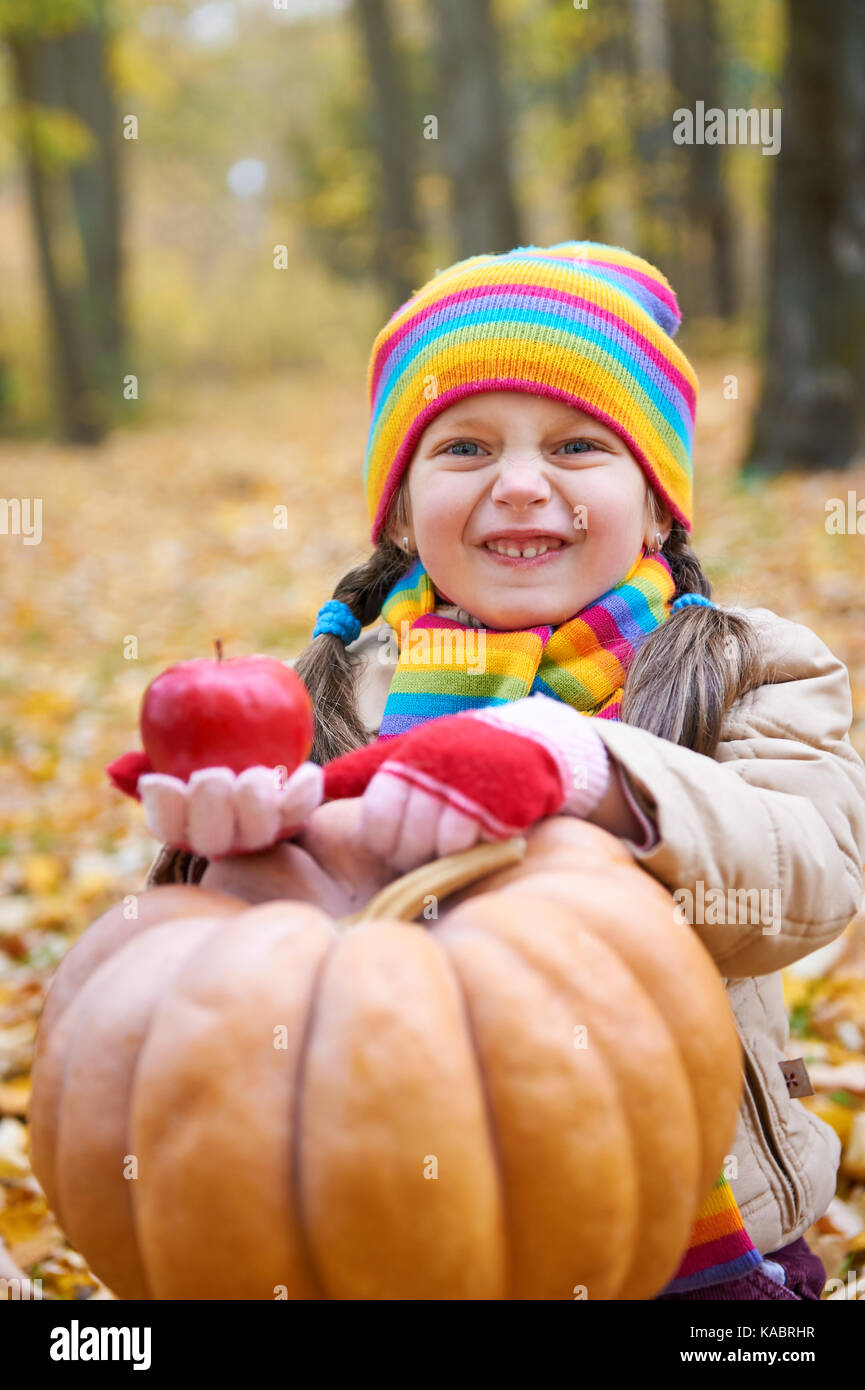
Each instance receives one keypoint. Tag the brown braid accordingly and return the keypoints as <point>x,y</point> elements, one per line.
<point>695,665</point>
<point>326,667</point>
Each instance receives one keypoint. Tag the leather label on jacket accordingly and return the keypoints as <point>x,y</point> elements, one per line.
<point>796,1076</point>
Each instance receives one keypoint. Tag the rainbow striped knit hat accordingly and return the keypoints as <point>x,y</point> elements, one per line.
<point>584,323</point>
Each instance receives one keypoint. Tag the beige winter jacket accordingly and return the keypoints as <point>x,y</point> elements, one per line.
<point>779,810</point>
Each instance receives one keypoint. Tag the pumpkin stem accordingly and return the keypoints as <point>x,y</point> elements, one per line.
<point>406,896</point>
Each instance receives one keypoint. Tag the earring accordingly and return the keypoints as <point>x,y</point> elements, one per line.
<point>405,542</point>
<point>660,542</point>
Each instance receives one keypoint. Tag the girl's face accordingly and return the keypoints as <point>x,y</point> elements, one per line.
<point>509,469</point>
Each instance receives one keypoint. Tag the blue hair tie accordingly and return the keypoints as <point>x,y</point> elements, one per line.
<point>336,617</point>
<point>685,601</point>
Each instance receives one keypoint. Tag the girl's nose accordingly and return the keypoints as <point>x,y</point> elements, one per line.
<point>521,484</point>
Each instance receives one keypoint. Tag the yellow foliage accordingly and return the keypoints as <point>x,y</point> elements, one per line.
<point>59,137</point>
<point>136,72</point>
<point>45,706</point>
<point>42,873</point>
<point>840,1117</point>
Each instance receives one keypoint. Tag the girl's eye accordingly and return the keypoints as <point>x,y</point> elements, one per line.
<point>583,446</point>
<point>469,448</point>
<point>461,445</point>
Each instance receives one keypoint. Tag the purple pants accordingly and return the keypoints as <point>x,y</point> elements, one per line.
<point>804,1278</point>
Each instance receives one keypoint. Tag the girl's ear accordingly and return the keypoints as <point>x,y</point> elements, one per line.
<point>403,540</point>
<point>397,527</point>
<point>658,518</point>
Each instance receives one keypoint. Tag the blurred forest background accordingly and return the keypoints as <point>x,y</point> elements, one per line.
<point>208,210</point>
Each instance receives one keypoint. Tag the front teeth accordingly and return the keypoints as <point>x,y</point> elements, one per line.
<point>508,548</point>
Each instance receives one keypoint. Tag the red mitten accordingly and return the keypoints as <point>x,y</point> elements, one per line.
<point>485,773</point>
<point>451,782</point>
<point>126,770</point>
<point>500,779</point>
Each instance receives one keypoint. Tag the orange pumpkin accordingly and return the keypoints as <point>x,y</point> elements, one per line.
<point>529,1090</point>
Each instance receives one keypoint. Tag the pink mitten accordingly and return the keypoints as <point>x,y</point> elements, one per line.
<point>483,774</point>
<point>219,812</point>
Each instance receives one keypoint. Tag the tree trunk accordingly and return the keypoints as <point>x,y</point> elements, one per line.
<point>648,60</point>
<point>69,71</point>
<point>399,239</point>
<point>586,168</point>
<point>606,196</point>
<point>812,412</point>
<point>473,128</point>
<point>697,76</point>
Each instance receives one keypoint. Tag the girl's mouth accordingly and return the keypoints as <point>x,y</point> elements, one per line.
<point>523,554</point>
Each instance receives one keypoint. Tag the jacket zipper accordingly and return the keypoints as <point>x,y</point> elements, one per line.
<point>761,1106</point>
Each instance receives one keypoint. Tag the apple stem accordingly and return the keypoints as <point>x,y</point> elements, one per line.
<point>218,645</point>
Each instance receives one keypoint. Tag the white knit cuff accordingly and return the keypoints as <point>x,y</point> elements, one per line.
<point>589,765</point>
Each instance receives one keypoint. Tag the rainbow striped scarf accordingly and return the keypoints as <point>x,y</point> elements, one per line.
<point>583,662</point>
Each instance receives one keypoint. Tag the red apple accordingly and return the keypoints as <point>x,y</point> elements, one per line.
<point>237,713</point>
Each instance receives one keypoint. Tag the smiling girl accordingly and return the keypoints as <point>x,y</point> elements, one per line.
<point>528,473</point>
